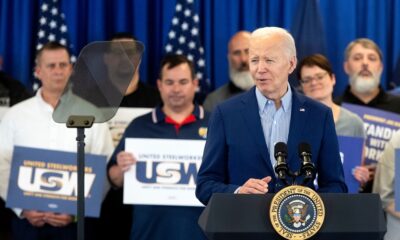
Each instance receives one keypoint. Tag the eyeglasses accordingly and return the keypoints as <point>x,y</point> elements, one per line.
<point>318,77</point>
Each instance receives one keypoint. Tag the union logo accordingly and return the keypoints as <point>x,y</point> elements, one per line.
<point>297,212</point>
<point>203,132</point>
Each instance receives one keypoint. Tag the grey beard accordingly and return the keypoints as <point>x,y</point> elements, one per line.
<point>364,85</point>
<point>242,80</point>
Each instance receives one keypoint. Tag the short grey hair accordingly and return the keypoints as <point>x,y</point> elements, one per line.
<point>364,42</point>
<point>287,39</point>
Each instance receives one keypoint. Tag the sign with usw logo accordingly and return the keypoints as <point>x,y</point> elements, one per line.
<point>165,172</point>
<point>46,180</point>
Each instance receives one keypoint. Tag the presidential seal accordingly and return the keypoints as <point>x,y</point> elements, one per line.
<point>297,212</point>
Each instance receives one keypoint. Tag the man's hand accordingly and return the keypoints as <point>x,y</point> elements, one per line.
<point>125,160</point>
<point>35,218</point>
<point>255,186</point>
<point>371,168</point>
<point>58,219</point>
<point>362,174</point>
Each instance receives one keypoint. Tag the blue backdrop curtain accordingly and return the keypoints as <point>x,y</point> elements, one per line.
<point>149,21</point>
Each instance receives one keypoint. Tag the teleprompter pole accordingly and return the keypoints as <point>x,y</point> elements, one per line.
<point>80,123</point>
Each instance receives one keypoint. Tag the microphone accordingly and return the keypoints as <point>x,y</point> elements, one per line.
<point>307,168</point>
<point>281,167</point>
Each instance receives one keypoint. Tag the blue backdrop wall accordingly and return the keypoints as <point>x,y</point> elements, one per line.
<point>331,25</point>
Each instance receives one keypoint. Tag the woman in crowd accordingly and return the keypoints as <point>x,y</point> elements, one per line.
<point>317,81</point>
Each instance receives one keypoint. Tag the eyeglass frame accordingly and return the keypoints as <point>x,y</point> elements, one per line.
<point>317,78</point>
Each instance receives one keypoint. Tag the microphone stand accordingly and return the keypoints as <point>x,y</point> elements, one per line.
<point>80,123</point>
<point>306,170</point>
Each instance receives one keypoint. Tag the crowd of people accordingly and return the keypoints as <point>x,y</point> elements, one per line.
<point>244,119</point>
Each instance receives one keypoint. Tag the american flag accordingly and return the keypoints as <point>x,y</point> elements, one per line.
<point>52,27</point>
<point>184,38</point>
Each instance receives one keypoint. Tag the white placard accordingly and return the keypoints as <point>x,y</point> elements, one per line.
<point>121,120</point>
<point>165,172</point>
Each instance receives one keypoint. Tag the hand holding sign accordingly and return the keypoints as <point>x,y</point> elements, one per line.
<point>39,219</point>
<point>371,168</point>
<point>361,173</point>
<point>125,160</point>
<point>58,220</point>
<point>35,218</point>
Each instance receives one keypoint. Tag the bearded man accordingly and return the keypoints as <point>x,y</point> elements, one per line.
<point>239,74</point>
<point>363,64</point>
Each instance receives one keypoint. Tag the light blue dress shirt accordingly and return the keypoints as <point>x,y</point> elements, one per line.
<point>275,122</point>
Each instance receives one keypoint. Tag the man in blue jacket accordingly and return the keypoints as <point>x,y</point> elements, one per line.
<point>239,157</point>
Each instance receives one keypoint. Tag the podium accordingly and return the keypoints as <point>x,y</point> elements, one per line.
<point>242,216</point>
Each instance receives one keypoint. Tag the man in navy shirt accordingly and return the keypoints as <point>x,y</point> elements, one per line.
<point>177,118</point>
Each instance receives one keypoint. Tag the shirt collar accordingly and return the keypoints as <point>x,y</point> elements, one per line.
<point>159,116</point>
<point>350,97</point>
<point>263,100</point>
<point>42,102</point>
<point>287,100</point>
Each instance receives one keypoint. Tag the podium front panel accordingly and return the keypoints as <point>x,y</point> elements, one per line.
<point>242,216</point>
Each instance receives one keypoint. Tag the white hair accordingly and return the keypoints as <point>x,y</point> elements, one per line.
<point>287,39</point>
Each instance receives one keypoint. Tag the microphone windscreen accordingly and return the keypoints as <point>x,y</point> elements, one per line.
<point>304,148</point>
<point>280,147</point>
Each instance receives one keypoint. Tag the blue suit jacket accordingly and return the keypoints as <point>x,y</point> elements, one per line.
<point>236,150</point>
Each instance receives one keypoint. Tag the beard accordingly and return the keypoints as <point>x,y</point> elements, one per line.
<point>365,84</point>
<point>241,79</point>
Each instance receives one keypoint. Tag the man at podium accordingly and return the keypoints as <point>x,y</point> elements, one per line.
<point>239,157</point>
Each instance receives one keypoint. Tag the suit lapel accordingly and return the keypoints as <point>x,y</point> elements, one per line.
<point>251,116</point>
<point>297,123</point>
